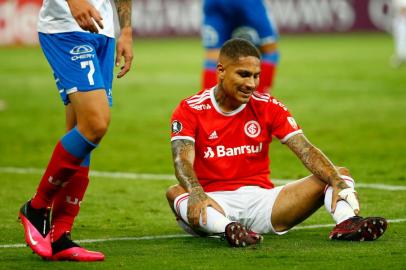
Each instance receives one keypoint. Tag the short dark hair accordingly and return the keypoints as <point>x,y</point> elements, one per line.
<point>238,47</point>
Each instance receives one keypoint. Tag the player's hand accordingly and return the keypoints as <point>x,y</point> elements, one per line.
<point>351,197</point>
<point>341,191</point>
<point>124,50</point>
<point>86,15</point>
<point>197,207</point>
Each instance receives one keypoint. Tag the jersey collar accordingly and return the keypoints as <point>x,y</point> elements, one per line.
<point>217,107</point>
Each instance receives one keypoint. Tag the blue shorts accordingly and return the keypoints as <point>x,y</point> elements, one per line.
<point>225,19</point>
<point>80,62</point>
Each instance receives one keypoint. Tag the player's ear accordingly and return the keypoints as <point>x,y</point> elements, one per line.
<point>220,70</point>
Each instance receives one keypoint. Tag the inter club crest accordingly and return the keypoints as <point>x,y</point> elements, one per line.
<point>252,129</point>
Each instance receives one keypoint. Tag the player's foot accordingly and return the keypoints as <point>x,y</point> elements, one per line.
<point>36,228</point>
<point>359,229</point>
<point>238,235</point>
<point>64,249</point>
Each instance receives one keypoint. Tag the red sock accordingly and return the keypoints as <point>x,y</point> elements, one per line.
<point>67,203</point>
<point>266,77</point>
<point>61,168</point>
<point>209,78</point>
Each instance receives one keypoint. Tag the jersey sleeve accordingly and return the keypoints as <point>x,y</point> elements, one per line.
<point>283,125</point>
<point>183,123</point>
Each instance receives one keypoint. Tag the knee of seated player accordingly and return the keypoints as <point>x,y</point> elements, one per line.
<point>343,171</point>
<point>173,192</point>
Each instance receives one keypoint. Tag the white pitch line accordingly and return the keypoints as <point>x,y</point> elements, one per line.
<point>119,175</point>
<point>173,236</point>
<point>399,220</point>
<point>154,176</point>
<point>156,237</point>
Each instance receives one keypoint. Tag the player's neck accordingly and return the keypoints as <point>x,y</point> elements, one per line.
<point>223,101</point>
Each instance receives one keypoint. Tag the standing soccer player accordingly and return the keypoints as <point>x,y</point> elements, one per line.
<point>220,148</point>
<point>248,19</point>
<point>77,38</point>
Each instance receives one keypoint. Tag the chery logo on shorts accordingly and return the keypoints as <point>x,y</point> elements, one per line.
<point>81,49</point>
<point>252,129</point>
<point>82,52</point>
<point>222,151</point>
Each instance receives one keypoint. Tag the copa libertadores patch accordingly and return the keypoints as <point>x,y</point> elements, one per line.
<point>176,126</point>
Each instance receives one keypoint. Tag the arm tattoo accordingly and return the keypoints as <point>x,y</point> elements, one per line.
<point>315,160</point>
<point>183,155</point>
<point>124,8</point>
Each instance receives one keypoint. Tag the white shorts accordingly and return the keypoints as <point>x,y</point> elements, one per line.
<point>249,205</point>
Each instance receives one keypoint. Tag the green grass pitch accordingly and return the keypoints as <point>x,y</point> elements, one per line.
<point>340,89</point>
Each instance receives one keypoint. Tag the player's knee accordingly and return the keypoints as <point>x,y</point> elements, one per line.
<point>343,171</point>
<point>172,192</point>
<point>100,130</point>
<point>94,125</point>
<point>97,128</point>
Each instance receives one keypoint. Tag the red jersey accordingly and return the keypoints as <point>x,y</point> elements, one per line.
<point>232,149</point>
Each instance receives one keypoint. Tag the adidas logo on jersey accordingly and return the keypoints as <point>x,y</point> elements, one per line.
<point>222,151</point>
<point>213,135</point>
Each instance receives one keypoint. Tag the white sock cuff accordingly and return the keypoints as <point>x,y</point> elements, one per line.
<point>178,200</point>
<point>350,182</point>
<point>216,221</point>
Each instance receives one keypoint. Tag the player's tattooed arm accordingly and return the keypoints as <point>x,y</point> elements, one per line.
<point>124,8</point>
<point>124,42</point>
<point>315,161</point>
<point>183,154</point>
<point>324,169</point>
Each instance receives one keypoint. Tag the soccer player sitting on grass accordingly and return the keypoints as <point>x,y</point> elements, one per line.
<point>220,145</point>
